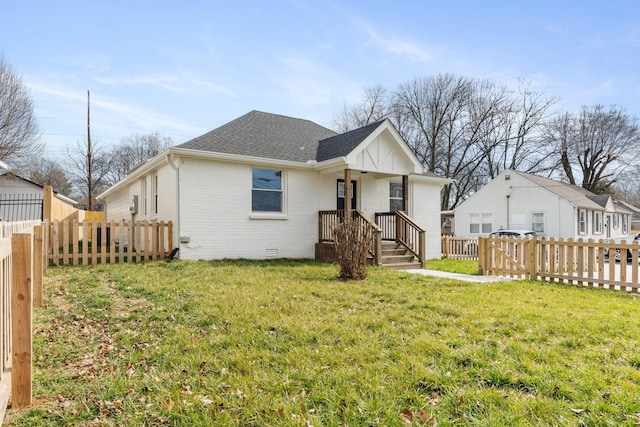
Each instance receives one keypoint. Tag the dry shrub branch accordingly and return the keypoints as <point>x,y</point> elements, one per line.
<point>352,240</point>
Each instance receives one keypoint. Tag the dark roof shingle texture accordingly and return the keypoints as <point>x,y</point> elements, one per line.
<point>265,135</point>
<point>344,143</point>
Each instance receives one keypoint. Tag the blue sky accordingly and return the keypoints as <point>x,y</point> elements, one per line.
<point>184,68</point>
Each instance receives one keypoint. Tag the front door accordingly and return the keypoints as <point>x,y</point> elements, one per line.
<point>340,194</point>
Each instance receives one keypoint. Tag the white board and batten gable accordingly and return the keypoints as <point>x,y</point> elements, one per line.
<point>206,185</point>
<point>517,200</point>
<point>384,152</point>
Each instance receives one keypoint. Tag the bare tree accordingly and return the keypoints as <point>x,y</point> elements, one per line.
<point>44,171</point>
<point>374,106</point>
<point>132,151</point>
<point>447,121</point>
<point>80,163</point>
<point>595,146</point>
<point>517,141</point>
<point>18,126</point>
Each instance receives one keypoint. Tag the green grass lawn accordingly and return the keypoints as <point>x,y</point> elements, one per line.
<point>283,343</point>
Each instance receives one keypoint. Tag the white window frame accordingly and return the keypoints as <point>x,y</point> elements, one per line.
<point>281,191</point>
<point>145,195</point>
<point>625,224</point>
<point>582,221</point>
<point>154,193</point>
<point>543,224</point>
<point>616,221</point>
<point>596,217</point>
<point>484,224</point>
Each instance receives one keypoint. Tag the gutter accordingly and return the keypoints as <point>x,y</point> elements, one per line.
<point>177,170</point>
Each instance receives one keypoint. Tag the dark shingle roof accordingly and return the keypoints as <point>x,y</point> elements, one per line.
<point>601,199</point>
<point>266,135</point>
<point>342,144</point>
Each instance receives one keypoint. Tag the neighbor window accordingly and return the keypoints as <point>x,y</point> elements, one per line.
<point>616,221</point>
<point>537,222</point>
<point>266,192</point>
<point>143,188</point>
<point>582,221</point>
<point>154,193</point>
<point>395,196</point>
<point>624,223</point>
<point>597,222</point>
<point>480,223</point>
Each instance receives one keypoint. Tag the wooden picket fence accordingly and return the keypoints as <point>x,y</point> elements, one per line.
<point>454,247</point>
<point>107,242</point>
<point>581,262</point>
<point>22,266</point>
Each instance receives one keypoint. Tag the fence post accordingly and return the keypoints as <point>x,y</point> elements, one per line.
<point>37,266</point>
<point>481,255</point>
<point>21,311</point>
<point>532,244</point>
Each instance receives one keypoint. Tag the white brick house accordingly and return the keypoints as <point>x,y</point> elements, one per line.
<point>253,188</point>
<point>518,200</point>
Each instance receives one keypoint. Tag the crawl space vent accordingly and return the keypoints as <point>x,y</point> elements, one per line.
<point>271,253</point>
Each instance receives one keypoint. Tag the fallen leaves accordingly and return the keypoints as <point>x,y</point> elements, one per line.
<point>422,416</point>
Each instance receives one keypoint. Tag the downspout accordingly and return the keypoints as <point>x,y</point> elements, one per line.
<point>176,235</point>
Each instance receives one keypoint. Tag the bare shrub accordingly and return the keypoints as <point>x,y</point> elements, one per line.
<point>352,240</point>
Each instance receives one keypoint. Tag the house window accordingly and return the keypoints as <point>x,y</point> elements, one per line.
<point>480,223</point>
<point>624,224</point>
<point>395,196</point>
<point>143,190</point>
<point>616,221</point>
<point>537,222</point>
<point>597,222</point>
<point>266,192</point>
<point>582,221</point>
<point>154,193</point>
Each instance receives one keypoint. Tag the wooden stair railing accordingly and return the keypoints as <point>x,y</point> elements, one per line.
<point>400,227</point>
<point>327,219</point>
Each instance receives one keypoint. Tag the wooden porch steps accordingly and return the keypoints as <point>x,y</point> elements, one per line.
<point>397,257</point>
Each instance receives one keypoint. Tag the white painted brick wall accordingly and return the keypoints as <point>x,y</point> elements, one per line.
<point>216,217</point>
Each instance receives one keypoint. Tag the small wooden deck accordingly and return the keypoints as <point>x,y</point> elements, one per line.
<point>398,242</point>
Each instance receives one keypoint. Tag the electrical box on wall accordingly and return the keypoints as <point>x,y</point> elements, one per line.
<point>133,207</point>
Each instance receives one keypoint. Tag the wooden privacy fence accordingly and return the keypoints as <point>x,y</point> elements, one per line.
<point>460,247</point>
<point>582,262</point>
<point>93,242</point>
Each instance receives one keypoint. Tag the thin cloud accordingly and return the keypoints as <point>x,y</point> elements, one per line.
<point>168,82</point>
<point>397,47</point>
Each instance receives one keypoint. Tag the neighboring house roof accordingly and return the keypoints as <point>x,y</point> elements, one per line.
<point>628,208</point>
<point>266,135</point>
<point>574,194</point>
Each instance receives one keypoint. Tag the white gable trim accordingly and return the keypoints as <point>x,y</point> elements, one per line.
<point>395,136</point>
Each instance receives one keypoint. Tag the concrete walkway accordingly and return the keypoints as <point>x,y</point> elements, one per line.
<point>460,276</point>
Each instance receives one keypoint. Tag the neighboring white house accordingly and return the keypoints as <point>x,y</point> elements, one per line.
<point>22,199</point>
<point>517,200</point>
<point>253,188</point>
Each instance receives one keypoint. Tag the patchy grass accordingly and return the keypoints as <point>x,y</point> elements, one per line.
<point>285,343</point>
<point>453,265</point>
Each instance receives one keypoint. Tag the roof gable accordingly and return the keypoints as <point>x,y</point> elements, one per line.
<point>343,144</point>
<point>384,150</point>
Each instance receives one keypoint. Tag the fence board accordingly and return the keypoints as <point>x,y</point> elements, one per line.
<point>21,311</point>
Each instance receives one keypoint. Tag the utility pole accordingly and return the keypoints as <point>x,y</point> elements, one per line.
<point>89,162</point>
